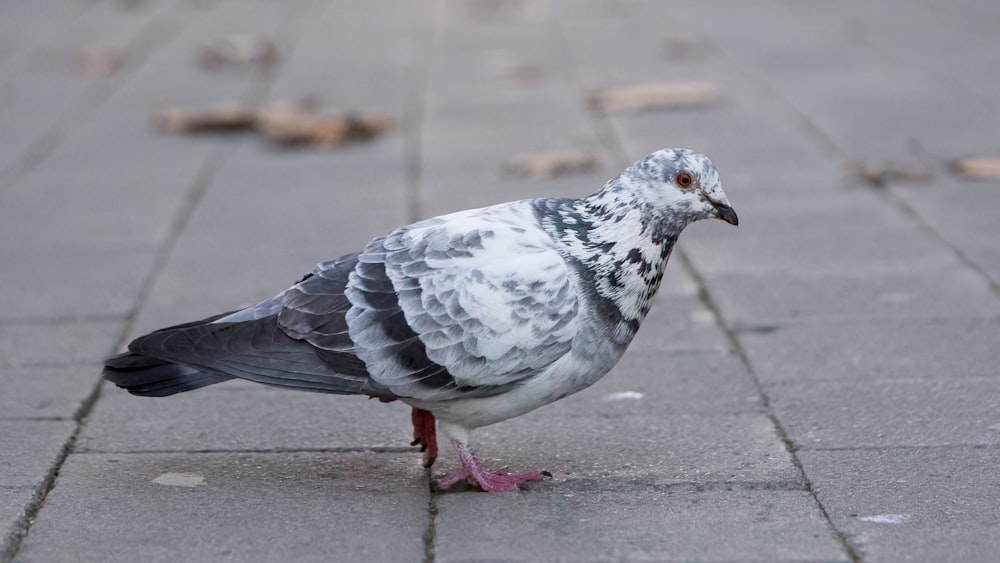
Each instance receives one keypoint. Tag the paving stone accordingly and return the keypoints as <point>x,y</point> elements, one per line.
<point>912,38</point>
<point>14,506</point>
<point>148,173</point>
<point>969,227</point>
<point>46,391</point>
<point>102,279</point>
<point>912,504</point>
<point>471,90</point>
<point>889,412</point>
<point>331,203</point>
<point>370,39</point>
<point>794,235</point>
<point>47,85</point>
<point>930,293</point>
<point>243,416</point>
<point>687,380</point>
<point>130,208</point>
<point>184,507</point>
<point>635,520</point>
<point>25,25</point>
<point>257,232</point>
<point>65,342</point>
<point>851,91</point>
<point>30,448</point>
<point>863,350</point>
<point>867,332</point>
<point>611,441</point>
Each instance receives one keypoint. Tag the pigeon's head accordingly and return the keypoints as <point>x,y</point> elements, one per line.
<point>683,183</point>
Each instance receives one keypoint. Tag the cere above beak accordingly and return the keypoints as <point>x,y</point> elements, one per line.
<point>726,213</point>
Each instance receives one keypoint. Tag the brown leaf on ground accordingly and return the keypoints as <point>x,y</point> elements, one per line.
<point>881,174</point>
<point>549,164</point>
<point>649,96</point>
<point>291,124</point>
<point>237,50</point>
<point>227,116</point>
<point>977,167</point>
<point>284,123</point>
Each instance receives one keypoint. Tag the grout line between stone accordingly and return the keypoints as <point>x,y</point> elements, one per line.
<point>790,446</point>
<point>19,530</point>
<point>423,20</point>
<point>913,215</point>
<point>146,41</point>
<point>257,89</point>
<point>37,418</point>
<point>610,137</point>
<point>899,447</point>
<point>12,544</point>
<point>430,535</point>
<point>209,451</point>
<point>61,319</point>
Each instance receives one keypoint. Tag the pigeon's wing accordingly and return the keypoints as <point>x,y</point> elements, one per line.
<point>464,305</point>
<point>294,340</point>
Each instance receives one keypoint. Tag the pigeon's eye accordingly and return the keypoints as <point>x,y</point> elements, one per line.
<point>684,179</point>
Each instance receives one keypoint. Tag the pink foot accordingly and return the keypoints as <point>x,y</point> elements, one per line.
<point>425,435</point>
<point>496,481</point>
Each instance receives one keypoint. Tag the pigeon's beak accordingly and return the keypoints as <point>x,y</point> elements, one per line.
<point>726,213</point>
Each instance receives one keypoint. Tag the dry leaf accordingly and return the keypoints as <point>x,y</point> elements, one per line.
<point>227,116</point>
<point>549,164</point>
<point>286,123</point>
<point>290,124</point>
<point>653,96</point>
<point>243,49</point>
<point>977,167</point>
<point>881,174</point>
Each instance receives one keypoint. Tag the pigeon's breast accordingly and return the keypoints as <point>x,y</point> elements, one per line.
<point>573,372</point>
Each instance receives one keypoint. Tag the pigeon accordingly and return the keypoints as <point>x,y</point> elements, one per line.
<point>470,318</point>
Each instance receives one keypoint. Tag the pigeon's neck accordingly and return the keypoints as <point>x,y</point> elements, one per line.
<point>621,247</point>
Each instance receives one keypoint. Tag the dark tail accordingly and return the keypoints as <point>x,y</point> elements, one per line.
<point>150,377</point>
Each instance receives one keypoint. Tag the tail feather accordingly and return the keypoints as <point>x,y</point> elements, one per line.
<point>151,377</point>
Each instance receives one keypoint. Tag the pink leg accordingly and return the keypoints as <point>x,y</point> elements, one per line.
<point>425,435</point>
<point>495,481</point>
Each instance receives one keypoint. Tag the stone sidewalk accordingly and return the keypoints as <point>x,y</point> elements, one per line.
<point>820,384</point>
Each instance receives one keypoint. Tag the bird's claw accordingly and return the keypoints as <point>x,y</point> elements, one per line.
<point>495,481</point>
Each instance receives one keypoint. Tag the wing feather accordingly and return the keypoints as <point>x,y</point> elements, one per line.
<point>465,305</point>
<point>490,301</point>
